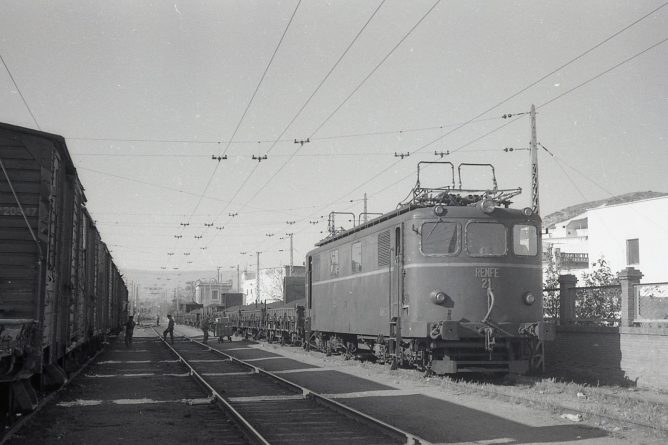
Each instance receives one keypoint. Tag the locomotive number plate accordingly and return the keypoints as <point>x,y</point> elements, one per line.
<point>486,274</point>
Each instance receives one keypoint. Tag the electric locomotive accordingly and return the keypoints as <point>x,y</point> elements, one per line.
<point>449,282</point>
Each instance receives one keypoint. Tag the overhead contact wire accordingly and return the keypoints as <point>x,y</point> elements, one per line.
<point>250,102</point>
<point>299,112</point>
<point>357,88</point>
<point>18,90</point>
<point>514,95</point>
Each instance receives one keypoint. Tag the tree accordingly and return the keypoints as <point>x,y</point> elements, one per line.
<point>271,284</point>
<point>551,281</point>
<point>599,301</point>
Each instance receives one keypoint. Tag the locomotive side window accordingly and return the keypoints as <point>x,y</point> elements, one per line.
<point>356,257</point>
<point>485,239</point>
<point>525,240</point>
<point>440,238</point>
<point>334,263</point>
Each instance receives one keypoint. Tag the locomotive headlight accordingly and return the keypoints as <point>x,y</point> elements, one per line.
<point>528,298</point>
<point>440,210</point>
<point>486,205</point>
<point>527,211</point>
<point>438,297</point>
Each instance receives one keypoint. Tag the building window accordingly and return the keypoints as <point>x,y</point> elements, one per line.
<point>356,256</point>
<point>632,251</point>
<point>214,295</point>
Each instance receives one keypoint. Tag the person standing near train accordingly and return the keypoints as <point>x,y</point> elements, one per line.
<point>129,331</point>
<point>169,330</point>
<point>204,326</point>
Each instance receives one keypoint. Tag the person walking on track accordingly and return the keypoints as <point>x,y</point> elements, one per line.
<point>129,330</point>
<point>169,330</point>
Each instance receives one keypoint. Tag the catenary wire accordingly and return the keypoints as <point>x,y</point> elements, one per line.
<point>480,115</point>
<point>357,88</point>
<point>508,123</point>
<point>378,65</point>
<point>571,62</point>
<point>324,79</point>
<point>250,102</point>
<point>18,90</point>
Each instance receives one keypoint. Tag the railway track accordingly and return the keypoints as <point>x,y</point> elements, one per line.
<point>272,410</point>
<point>600,406</point>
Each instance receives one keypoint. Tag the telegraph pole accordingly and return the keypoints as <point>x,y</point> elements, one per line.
<point>257,278</point>
<point>291,263</point>
<point>176,299</point>
<point>534,162</point>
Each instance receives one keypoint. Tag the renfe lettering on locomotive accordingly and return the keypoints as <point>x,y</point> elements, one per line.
<point>487,272</point>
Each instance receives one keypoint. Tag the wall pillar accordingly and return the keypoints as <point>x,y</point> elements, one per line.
<point>567,299</point>
<point>628,278</point>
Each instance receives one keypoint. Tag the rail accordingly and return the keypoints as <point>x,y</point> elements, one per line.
<point>224,404</point>
<point>385,428</point>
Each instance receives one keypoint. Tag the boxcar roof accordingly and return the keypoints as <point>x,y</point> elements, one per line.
<point>58,141</point>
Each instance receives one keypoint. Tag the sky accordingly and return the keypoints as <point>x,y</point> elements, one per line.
<point>147,93</point>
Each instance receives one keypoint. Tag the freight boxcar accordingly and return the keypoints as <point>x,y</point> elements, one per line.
<point>60,292</point>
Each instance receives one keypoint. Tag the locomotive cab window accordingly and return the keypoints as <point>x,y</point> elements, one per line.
<point>525,240</point>
<point>485,239</point>
<point>356,257</point>
<point>439,238</point>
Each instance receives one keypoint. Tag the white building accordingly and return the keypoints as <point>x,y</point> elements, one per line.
<point>632,234</point>
<point>569,242</point>
<point>271,283</point>
<point>208,292</point>
<point>628,234</point>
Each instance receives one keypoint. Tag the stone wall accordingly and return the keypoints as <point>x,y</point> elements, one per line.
<point>645,356</point>
<point>629,354</point>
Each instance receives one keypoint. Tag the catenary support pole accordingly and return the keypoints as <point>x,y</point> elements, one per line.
<point>534,162</point>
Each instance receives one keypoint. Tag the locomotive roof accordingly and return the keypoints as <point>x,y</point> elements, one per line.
<point>406,209</point>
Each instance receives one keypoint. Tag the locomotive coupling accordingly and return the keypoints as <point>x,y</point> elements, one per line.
<point>445,330</point>
<point>540,329</point>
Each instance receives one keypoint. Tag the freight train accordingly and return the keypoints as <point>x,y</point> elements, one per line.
<point>60,291</point>
<point>450,282</point>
